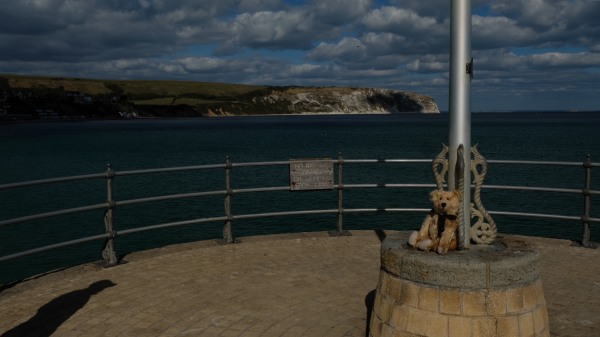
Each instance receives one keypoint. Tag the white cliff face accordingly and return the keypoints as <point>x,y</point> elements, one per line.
<point>338,100</point>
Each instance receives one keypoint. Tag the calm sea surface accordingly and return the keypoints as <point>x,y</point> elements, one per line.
<point>46,150</point>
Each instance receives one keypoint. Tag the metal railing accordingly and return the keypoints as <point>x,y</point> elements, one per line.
<point>228,218</point>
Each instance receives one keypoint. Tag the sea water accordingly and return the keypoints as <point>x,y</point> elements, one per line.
<point>31,151</point>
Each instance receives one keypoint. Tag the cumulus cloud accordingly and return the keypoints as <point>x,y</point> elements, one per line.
<point>274,30</point>
<point>349,48</point>
<point>565,60</point>
<point>427,66</point>
<point>499,32</point>
<point>404,44</point>
<point>398,20</point>
<point>340,12</point>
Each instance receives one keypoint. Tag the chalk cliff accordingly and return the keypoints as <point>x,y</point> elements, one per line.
<point>329,100</point>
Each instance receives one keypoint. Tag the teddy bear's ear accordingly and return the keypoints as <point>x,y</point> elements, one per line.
<point>434,195</point>
<point>457,193</point>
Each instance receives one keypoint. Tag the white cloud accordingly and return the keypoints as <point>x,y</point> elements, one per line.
<point>565,60</point>
<point>499,32</point>
<point>273,29</point>
<point>348,47</point>
<point>399,20</point>
<point>419,66</point>
<point>193,64</point>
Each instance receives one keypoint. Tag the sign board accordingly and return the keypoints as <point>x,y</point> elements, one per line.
<point>311,174</point>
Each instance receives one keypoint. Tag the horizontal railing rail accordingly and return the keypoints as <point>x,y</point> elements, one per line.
<point>110,233</point>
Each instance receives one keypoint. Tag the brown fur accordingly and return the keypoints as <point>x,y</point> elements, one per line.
<point>428,237</point>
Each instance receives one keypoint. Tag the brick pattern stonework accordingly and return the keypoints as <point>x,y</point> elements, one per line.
<point>405,308</point>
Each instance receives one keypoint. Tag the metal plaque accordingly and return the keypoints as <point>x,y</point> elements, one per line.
<point>311,174</point>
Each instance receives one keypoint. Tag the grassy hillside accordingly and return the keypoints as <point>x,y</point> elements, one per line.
<point>95,98</point>
<point>130,88</point>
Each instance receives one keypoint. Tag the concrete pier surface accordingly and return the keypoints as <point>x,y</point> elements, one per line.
<point>305,284</point>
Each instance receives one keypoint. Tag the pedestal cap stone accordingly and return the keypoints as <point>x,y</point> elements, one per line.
<point>506,263</point>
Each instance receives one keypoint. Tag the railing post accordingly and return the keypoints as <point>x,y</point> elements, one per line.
<point>108,251</point>
<point>340,213</point>
<point>585,219</point>
<point>227,234</point>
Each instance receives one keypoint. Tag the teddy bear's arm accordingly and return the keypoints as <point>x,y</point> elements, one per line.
<point>448,240</point>
<point>429,228</point>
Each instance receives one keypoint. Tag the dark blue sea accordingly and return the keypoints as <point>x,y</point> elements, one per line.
<point>30,151</point>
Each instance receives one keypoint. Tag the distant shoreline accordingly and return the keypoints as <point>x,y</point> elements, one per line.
<point>4,119</point>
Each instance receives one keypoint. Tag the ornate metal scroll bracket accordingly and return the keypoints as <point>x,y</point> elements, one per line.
<point>484,230</point>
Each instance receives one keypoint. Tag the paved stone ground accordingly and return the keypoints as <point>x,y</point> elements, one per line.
<point>291,285</point>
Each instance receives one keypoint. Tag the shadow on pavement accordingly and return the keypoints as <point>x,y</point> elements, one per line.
<point>54,313</point>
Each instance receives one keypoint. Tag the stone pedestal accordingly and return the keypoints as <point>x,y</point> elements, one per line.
<point>485,291</point>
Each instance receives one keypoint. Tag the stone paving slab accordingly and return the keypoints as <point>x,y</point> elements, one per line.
<point>306,284</point>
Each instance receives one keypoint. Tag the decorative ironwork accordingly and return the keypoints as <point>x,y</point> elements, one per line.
<point>484,230</point>
<point>440,173</point>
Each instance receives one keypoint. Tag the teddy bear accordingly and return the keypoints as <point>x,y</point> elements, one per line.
<point>439,230</point>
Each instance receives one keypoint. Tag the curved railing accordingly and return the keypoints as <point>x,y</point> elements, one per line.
<point>110,233</point>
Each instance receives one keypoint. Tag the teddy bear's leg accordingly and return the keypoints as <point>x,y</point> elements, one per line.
<point>413,239</point>
<point>425,245</point>
<point>417,236</point>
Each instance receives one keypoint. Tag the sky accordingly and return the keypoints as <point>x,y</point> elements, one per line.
<point>528,54</point>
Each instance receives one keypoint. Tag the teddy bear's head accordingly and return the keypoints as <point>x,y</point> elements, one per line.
<point>445,201</point>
